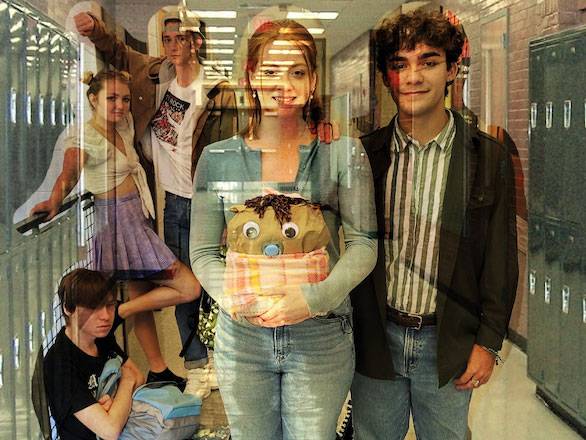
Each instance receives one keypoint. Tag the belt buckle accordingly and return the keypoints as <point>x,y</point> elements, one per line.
<point>419,319</point>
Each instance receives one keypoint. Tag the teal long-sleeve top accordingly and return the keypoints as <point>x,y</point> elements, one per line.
<point>336,175</point>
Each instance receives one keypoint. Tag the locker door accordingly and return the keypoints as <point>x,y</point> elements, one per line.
<point>53,95</point>
<point>34,168</point>
<point>574,56</point>
<point>551,319</point>
<point>5,215</point>
<point>44,55</point>
<point>19,341</point>
<point>582,332</point>
<point>46,286</point>
<point>536,246</point>
<point>18,139</point>
<point>536,350</point>
<point>7,391</point>
<point>573,100</point>
<point>554,143</point>
<point>570,318</point>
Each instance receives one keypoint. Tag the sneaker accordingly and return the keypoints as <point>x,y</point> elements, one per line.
<point>167,376</point>
<point>212,378</point>
<point>198,383</point>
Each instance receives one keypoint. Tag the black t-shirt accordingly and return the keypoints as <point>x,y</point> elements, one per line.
<point>71,381</point>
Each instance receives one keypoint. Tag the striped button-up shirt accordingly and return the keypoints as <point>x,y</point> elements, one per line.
<point>414,194</point>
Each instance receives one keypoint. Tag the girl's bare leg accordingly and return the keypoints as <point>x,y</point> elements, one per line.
<point>145,328</point>
<point>181,288</point>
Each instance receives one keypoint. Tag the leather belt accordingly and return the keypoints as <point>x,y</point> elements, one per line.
<point>409,319</point>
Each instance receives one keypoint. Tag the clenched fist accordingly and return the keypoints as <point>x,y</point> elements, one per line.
<point>84,24</point>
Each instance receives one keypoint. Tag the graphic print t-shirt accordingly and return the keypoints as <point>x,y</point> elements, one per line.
<point>71,381</point>
<point>171,135</point>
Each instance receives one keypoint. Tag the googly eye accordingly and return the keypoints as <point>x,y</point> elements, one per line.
<point>251,230</point>
<point>290,230</point>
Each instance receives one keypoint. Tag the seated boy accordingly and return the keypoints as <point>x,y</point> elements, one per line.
<point>74,363</point>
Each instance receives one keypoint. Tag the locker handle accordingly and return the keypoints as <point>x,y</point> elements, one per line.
<point>13,105</point>
<point>548,114</point>
<point>52,113</point>
<point>41,110</point>
<point>1,371</point>
<point>31,346</point>
<point>533,114</point>
<point>29,109</point>
<point>584,310</point>
<point>567,113</point>
<point>63,112</point>
<point>547,290</point>
<point>42,324</point>
<point>532,282</point>
<point>566,299</point>
<point>16,348</point>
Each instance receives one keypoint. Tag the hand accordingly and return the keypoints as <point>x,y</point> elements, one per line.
<point>326,131</point>
<point>48,207</point>
<point>106,402</point>
<point>239,305</point>
<point>84,24</point>
<point>130,373</point>
<point>478,371</point>
<point>290,309</point>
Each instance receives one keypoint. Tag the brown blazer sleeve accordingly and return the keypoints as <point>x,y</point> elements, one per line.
<point>116,52</point>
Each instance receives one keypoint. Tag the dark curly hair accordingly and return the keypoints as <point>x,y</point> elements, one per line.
<point>405,31</point>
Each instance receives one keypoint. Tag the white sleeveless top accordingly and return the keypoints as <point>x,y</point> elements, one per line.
<point>106,167</point>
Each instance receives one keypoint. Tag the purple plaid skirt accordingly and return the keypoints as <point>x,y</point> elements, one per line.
<point>125,243</point>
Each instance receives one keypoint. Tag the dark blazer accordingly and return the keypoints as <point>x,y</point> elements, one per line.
<point>477,274</point>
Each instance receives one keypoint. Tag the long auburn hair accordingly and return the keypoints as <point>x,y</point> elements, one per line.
<point>266,33</point>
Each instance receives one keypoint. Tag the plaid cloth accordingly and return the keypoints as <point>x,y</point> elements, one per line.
<point>248,277</point>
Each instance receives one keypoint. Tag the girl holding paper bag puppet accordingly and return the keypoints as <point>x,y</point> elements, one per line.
<point>284,343</point>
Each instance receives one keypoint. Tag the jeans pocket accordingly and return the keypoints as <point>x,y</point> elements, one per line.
<point>343,321</point>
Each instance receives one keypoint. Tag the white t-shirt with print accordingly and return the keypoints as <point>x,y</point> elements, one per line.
<point>172,130</point>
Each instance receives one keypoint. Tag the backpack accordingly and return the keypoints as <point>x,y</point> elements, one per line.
<point>159,409</point>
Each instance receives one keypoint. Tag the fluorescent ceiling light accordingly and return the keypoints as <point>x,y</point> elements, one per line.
<point>284,52</point>
<point>214,62</point>
<point>278,63</point>
<point>212,69</point>
<point>312,15</point>
<point>216,14</point>
<point>283,43</point>
<point>217,50</point>
<point>220,42</point>
<point>316,31</point>
<point>221,29</point>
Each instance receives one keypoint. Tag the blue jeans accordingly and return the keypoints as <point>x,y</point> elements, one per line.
<point>284,383</point>
<point>176,218</point>
<point>381,408</point>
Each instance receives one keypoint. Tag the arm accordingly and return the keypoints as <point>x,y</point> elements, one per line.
<point>207,226</point>
<point>109,424</point>
<point>115,51</point>
<point>358,218</point>
<point>73,162</point>
<point>498,282</point>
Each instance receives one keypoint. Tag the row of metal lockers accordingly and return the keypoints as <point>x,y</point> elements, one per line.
<point>38,85</point>
<point>556,341</point>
